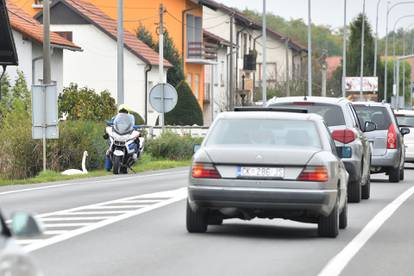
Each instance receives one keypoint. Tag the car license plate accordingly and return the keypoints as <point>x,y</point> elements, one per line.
<point>261,172</point>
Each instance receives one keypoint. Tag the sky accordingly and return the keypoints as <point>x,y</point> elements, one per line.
<point>329,12</point>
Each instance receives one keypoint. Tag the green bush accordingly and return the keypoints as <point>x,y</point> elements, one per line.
<point>76,137</point>
<point>187,111</point>
<point>20,155</point>
<point>86,104</point>
<point>172,146</point>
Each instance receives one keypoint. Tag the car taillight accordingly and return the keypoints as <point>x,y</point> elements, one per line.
<point>303,103</point>
<point>318,174</point>
<point>391,138</point>
<point>344,136</point>
<point>204,170</point>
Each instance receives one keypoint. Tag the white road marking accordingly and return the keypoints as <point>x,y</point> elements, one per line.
<point>25,242</point>
<point>337,264</point>
<point>94,213</point>
<point>52,225</point>
<point>119,207</point>
<point>171,197</point>
<point>75,218</point>
<point>55,232</point>
<point>118,179</point>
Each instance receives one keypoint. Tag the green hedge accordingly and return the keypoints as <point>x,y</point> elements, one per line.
<point>172,146</point>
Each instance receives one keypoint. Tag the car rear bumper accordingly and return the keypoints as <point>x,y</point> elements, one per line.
<point>390,159</point>
<point>409,153</point>
<point>318,201</point>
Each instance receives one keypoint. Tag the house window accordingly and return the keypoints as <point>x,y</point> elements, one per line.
<point>196,85</point>
<point>194,36</point>
<point>66,35</point>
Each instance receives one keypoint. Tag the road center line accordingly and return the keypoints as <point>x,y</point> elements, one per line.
<point>337,264</point>
<point>89,182</point>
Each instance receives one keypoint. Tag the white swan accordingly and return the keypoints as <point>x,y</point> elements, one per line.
<point>74,171</point>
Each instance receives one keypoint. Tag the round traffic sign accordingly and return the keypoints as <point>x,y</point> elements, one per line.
<point>163,91</point>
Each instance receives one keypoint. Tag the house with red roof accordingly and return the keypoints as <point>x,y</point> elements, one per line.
<point>28,37</point>
<point>96,66</point>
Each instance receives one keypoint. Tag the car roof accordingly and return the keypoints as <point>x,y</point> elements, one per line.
<point>370,103</point>
<point>328,100</point>
<point>270,115</point>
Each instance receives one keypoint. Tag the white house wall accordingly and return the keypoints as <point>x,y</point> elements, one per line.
<point>24,53</point>
<point>27,50</point>
<point>96,66</point>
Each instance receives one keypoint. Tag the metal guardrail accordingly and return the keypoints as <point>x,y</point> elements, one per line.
<point>195,131</point>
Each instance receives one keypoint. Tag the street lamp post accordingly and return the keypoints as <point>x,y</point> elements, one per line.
<point>344,53</point>
<point>376,40</point>
<point>395,72</point>
<point>362,51</point>
<point>309,49</point>
<point>389,9</point>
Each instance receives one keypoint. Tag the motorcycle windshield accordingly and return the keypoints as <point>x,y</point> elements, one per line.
<point>123,123</point>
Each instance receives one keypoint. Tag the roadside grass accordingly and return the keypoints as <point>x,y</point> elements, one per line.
<point>146,163</point>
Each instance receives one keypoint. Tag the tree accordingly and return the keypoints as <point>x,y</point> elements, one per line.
<point>354,48</point>
<point>187,111</point>
<point>85,104</point>
<point>175,74</point>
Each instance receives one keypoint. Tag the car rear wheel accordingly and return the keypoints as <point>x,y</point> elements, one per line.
<point>366,189</point>
<point>329,226</point>
<point>354,191</point>
<point>343,217</point>
<point>394,175</point>
<point>402,174</point>
<point>196,220</point>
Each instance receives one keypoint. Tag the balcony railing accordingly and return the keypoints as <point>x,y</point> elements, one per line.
<point>202,50</point>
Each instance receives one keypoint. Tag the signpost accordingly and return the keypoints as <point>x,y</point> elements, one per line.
<point>44,112</point>
<point>163,98</point>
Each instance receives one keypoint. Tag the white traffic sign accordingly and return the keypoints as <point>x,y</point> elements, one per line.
<point>163,97</point>
<point>44,112</point>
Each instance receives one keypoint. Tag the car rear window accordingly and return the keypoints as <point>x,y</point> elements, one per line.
<point>332,114</point>
<point>376,114</point>
<point>264,132</point>
<point>404,120</point>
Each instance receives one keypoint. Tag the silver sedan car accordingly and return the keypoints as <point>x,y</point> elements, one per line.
<point>13,260</point>
<point>268,164</point>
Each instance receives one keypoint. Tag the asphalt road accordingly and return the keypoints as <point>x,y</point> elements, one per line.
<point>135,225</point>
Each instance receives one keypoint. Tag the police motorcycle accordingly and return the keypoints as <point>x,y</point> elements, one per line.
<point>125,144</point>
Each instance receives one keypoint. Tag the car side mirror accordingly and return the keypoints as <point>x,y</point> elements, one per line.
<point>405,130</point>
<point>369,126</point>
<point>25,225</point>
<point>196,148</point>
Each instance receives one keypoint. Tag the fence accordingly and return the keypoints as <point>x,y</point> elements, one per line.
<point>195,131</point>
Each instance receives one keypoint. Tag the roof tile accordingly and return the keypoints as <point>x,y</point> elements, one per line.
<point>25,24</point>
<point>109,26</point>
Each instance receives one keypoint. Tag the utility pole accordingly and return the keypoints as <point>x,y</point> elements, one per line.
<point>323,64</point>
<point>231,95</point>
<point>344,52</point>
<point>46,69</point>
<point>161,61</point>
<point>403,86</point>
<point>386,53</point>
<point>264,41</point>
<point>362,52</point>
<point>309,49</point>
<point>120,53</point>
<point>376,39</point>
<point>287,68</point>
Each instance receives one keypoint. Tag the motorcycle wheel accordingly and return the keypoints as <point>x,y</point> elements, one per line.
<point>124,170</point>
<point>117,165</point>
